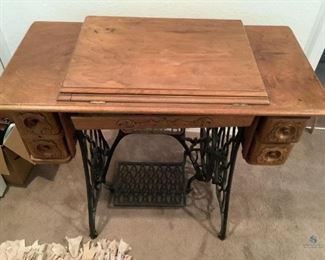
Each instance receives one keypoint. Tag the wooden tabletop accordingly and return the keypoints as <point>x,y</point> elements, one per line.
<point>163,60</point>
<point>32,80</point>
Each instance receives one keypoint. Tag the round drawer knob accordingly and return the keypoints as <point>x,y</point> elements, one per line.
<point>31,122</point>
<point>286,132</point>
<point>273,155</point>
<point>43,148</point>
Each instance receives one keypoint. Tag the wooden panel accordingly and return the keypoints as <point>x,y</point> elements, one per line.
<point>142,121</point>
<point>249,135</point>
<point>164,99</point>
<point>281,129</point>
<point>164,60</point>
<point>32,79</point>
<point>36,70</point>
<point>268,154</point>
<point>69,132</point>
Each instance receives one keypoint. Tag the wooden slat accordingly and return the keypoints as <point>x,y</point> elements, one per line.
<point>140,121</point>
<point>162,92</point>
<point>93,98</point>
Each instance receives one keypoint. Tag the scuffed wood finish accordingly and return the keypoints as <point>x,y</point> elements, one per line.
<point>281,130</point>
<point>47,137</point>
<point>141,121</point>
<point>122,59</point>
<point>268,154</point>
<point>40,63</point>
<point>32,123</point>
<point>35,72</point>
<point>50,148</point>
<point>269,140</point>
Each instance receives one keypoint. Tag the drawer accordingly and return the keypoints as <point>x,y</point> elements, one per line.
<point>48,147</point>
<point>38,123</point>
<point>268,154</point>
<point>281,130</point>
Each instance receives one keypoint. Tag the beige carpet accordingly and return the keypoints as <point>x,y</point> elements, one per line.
<point>275,212</point>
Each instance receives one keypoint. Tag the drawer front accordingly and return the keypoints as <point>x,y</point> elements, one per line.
<point>268,154</point>
<point>48,148</point>
<point>38,123</point>
<point>281,130</point>
<point>49,137</point>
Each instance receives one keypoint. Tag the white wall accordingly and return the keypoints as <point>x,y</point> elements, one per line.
<point>1,68</point>
<point>304,17</point>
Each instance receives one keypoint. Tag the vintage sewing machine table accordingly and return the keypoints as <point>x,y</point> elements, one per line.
<point>51,120</point>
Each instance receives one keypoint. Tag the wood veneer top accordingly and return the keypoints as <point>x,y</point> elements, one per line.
<point>164,60</point>
<point>32,80</point>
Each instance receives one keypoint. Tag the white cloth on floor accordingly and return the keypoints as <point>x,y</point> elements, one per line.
<point>103,249</point>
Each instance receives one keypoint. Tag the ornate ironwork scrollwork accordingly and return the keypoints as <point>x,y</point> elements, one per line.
<point>96,157</point>
<point>212,154</point>
<point>95,151</point>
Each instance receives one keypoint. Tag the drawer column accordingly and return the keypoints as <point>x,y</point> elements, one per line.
<point>47,136</point>
<point>270,139</point>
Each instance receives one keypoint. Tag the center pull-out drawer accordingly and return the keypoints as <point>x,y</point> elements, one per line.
<point>279,130</point>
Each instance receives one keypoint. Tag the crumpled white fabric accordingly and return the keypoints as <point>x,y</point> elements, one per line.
<point>11,250</point>
<point>74,246</point>
<point>103,249</point>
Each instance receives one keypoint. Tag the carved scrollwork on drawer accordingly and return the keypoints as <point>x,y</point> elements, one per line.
<point>38,123</point>
<point>47,137</point>
<point>269,154</point>
<point>281,130</point>
<point>273,155</point>
<point>142,122</point>
<point>48,148</point>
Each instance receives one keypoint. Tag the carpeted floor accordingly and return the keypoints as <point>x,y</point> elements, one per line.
<point>275,212</point>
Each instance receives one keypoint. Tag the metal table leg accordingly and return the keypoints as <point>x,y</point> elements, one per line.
<point>96,157</point>
<point>213,156</point>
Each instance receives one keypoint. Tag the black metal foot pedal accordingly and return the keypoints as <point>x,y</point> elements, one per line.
<point>150,185</point>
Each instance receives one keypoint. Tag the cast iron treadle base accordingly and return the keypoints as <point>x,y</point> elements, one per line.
<point>212,154</point>
<point>150,185</point>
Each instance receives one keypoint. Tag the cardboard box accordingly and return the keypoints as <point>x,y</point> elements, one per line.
<point>3,186</point>
<point>15,162</point>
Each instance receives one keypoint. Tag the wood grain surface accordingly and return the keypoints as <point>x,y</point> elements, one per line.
<point>122,59</point>
<point>268,154</point>
<point>93,121</point>
<point>32,80</point>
